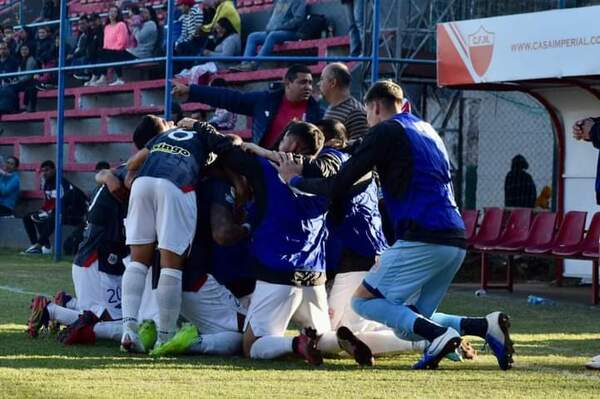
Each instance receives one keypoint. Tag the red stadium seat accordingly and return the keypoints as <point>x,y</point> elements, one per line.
<point>490,228</point>
<point>588,245</point>
<point>541,233</point>
<point>569,234</point>
<point>470,219</point>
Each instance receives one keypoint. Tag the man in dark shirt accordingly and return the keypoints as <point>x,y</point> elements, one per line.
<point>7,63</point>
<point>405,288</point>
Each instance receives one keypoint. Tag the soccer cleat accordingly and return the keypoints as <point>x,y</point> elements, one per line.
<point>130,343</point>
<point>61,298</point>
<point>32,250</point>
<point>46,251</point>
<point>39,316</point>
<point>355,347</point>
<point>81,331</point>
<point>147,333</point>
<point>179,344</point>
<point>305,346</point>
<point>438,349</point>
<point>498,339</point>
<point>593,364</point>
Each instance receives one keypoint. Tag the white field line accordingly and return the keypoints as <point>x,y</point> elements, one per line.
<point>17,290</point>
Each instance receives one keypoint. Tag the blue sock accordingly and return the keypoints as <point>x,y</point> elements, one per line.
<point>398,317</point>
<point>448,320</point>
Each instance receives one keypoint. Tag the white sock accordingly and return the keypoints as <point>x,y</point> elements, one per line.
<point>169,302</point>
<point>72,304</point>
<point>133,283</point>
<point>386,342</point>
<point>328,343</point>
<point>109,330</point>
<point>224,343</point>
<point>62,315</point>
<point>271,347</point>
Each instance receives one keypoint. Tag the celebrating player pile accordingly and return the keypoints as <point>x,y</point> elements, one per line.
<point>239,240</point>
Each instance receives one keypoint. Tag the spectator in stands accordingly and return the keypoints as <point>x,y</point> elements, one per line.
<point>9,186</point>
<point>79,56</point>
<point>39,225</point>
<point>519,187</point>
<point>116,39</point>
<point>50,11</point>
<point>225,9</point>
<point>24,37</point>
<point>146,35</point>
<point>8,64</point>
<point>355,14</point>
<point>191,20</point>
<point>283,26</point>
<point>26,83</point>
<point>96,44</point>
<point>222,119</point>
<point>335,87</point>
<point>46,54</point>
<point>271,111</point>
<point>101,165</point>
<point>9,39</point>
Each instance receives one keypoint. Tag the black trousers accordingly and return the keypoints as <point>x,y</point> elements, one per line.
<point>115,56</point>
<point>30,97</point>
<point>39,232</point>
<point>4,211</point>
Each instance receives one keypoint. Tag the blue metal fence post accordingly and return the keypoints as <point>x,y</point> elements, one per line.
<point>60,122</point>
<point>375,44</point>
<point>169,59</point>
<point>21,22</point>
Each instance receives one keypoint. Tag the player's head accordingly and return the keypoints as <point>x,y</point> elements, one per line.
<point>334,131</point>
<point>101,165</point>
<point>298,83</point>
<point>383,100</point>
<point>302,138</point>
<point>149,126</point>
<point>48,169</point>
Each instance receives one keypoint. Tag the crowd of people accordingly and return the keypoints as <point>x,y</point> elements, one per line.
<point>238,239</point>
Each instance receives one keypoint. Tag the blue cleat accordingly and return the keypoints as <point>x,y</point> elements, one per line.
<point>498,339</point>
<point>438,349</point>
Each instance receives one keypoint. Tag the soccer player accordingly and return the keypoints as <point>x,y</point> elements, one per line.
<point>162,214</point>
<point>405,288</point>
<point>288,242</point>
<point>98,264</point>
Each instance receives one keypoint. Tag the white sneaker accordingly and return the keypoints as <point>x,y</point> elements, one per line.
<point>498,339</point>
<point>91,81</point>
<point>46,251</point>
<point>34,249</point>
<point>130,342</point>
<point>446,343</point>
<point>117,82</point>
<point>101,81</point>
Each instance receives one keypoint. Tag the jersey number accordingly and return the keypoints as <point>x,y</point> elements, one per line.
<point>114,295</point>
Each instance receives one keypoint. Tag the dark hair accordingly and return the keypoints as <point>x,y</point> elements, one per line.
<point>8,27</point>
<point>14,159</point>
<point>153,16</point>
<point>218,82</point>
<point>386,91</point>
<point>294,70</point>
<point>227,26</point>
<point>93,16</point>
<point>23,60</point>
<point>48,164</point>
<point>102,165</point>
<point>145,130</point>
<point>119,15</point>
<point>333,130</point>
<point>341,74</point>
<point>310,135</point>
<point>176,112</point>
<point>84,18</point>
<point>134,9</point>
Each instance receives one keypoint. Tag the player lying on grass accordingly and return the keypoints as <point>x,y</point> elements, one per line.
<point>405,288</point>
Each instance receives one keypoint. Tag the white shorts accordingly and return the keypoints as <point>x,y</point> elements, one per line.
<point>213,308</point>
<point>274,305</point>
<point>97,291</point>
<point>340,308</point>
<point>160,212</point>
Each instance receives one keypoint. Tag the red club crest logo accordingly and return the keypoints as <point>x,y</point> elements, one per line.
<point>481,48</point>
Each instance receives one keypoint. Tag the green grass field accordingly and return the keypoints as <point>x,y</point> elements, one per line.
<point>552,342</point>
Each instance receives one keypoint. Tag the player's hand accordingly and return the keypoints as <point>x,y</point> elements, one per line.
<point>582,129</point>
<point>181,91</point>
<point>116,188</point>
<point>186,123</point>
<point>288,167</point>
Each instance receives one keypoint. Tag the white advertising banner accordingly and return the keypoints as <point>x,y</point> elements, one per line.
<point>539,45</point>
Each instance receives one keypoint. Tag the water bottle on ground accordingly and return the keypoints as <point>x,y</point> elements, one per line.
<point>538,300</point>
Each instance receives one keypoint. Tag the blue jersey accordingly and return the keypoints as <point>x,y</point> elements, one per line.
<point>178,156</point>
<point>291,235</point>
